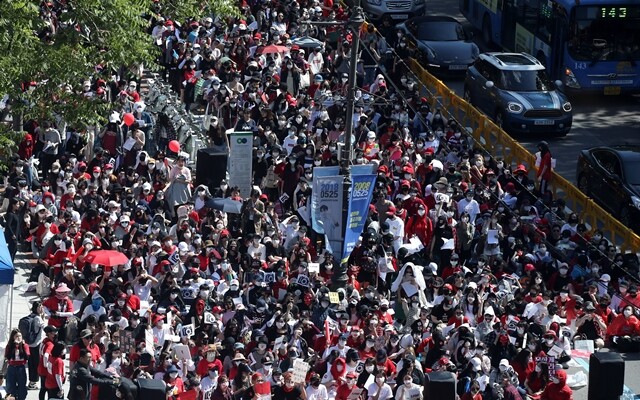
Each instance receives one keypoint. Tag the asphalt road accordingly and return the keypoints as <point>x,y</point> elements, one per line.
<point>597,121</point>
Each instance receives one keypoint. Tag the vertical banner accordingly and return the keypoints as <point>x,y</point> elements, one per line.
<point>359,200</point>
<point>319,172</point>
<point>327,196</point>
<point>241,161</point>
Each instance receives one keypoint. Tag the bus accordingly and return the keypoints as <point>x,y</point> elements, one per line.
<point>589,45</point>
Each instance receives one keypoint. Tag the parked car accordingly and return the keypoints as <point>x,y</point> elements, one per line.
<point>440,44</point>
<point>396,9</point>
<point>514,90</point>
<point>611,176</point>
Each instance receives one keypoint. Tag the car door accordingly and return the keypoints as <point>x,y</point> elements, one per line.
<point>602,184</point>
<point>487,96</point>
<point>616,195</point>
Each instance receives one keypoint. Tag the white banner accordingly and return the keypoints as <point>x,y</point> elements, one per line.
<point>241,161</point>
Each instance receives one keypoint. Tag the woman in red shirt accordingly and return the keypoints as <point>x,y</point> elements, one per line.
<point>543,175</point>
<point>16,354</point>
<point>54,381</point>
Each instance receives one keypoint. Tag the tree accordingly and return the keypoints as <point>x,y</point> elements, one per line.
<point>47,53</point>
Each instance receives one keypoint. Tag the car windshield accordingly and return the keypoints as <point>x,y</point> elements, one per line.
<point>601,33</point>
<point>632,172</point>
<point>525,80</point>
<point>443,31</point>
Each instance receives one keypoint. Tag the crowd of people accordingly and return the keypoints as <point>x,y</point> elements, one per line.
<point>466,264</point>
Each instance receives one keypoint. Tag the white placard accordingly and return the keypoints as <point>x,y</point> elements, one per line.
<point>128,145</point>
<point>182,351</point>
<point>188,330</point>
<point>209,318</point>
<point>149,346</point>
<point>313,267</point>
<point>300,369</point>
<point>585,345</point>
<point>492,236</point>
<point>449,244</point>
<point>237,301</point>
<point>278,343</point>
<point>409,289</point>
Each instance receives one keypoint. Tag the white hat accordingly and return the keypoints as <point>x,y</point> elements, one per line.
<point>472,285</point>
<point>146,186</point>
<point>476,365</point>
<point>133,84</point>
<point>183,247</point>
<point>155,243</point>
<point>605,278</point>
<point>139,106</point>
<point>125,218</point>
<point>114,118</point>
<point>39,208</point>
<point>433,267</point>
<point>371,135</point>
<point>242,27</point>
<point>504,362</point>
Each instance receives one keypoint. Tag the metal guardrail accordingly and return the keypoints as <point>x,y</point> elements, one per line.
<point>499,144</point>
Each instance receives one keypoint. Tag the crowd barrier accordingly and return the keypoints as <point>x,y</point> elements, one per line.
<point>499,144</point>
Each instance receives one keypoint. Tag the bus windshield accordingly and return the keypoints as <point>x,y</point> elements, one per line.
<point>605,33</point>
<point>525,80</point>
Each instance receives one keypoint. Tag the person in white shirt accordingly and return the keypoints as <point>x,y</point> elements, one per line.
<point>396,227</point>
<point>380,389</point>
<point>470,205</point>
<point>409,390</point>
<point>96,308</point>
<point>341,347</point>
<point>316,390</point>
<point>316,62</point>
<point>257,250</point>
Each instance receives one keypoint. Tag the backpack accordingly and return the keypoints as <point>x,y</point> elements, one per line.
<point>27,328</point>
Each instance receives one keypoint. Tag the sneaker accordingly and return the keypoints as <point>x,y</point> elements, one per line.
<point>32,385</point>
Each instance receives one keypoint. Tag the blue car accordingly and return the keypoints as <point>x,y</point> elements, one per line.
<point>514,90</point>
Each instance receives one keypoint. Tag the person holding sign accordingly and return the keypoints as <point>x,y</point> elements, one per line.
<point>290,390</point>
<point>409,390</point>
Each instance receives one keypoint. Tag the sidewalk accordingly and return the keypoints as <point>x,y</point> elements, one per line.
<point>21,303</point>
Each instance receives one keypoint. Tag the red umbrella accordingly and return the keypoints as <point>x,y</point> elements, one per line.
<point>272,48</point>
<point>108,258</point>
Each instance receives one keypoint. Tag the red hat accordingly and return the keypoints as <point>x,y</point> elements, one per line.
<point>521,168</point>
<point>157,318</point>
<point>264,197</point>
<point>391,210</point>
<point>217,310</point>
<point>224,233</point>
<point>295,47</point>
<point>122,296</point>
<point>489,172</point>
<point>168,23</point>
<point>97,169</point>
<point>373,209</point>
<point>529,267</point>
<point>464,186</point>
<point>257,35</point>
<point>408,169</point>
<point>351,375</point>
<point>404,182</point>
<point>510,187</point>
<point>108,166</point>
<point>383,168</point>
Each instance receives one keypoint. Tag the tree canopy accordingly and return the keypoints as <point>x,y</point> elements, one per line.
<point>49,49</point>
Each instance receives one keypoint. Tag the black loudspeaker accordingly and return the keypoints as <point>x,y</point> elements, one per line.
<point>151,389</point>
<point>606,376</point>
<point>211,167</point>
<point>440,385</point>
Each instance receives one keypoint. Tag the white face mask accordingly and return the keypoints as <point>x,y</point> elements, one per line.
<point>369,368</point>
<point>549,342</point>
<point>627,313</point>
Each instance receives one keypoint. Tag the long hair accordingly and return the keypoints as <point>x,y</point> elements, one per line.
<point>10,351</point>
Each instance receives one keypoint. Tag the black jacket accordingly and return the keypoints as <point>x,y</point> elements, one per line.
<point>81,379</point>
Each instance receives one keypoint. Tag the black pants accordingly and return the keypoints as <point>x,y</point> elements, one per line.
<point>53,394</point>
<point>43,391</point>
<point>34,360</point>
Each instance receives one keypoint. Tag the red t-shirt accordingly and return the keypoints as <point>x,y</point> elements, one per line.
<point>74,353</point>
<point>47,346</point>
<point>57,368</point>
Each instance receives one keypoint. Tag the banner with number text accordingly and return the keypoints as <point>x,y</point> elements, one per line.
<point>319,172</point>
<point>359,200</point>
<point>240,165</point>
<point>327,196</point>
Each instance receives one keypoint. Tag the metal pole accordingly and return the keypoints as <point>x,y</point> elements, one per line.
<point>355,22</point>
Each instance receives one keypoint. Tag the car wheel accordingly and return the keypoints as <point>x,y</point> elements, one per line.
<point>583,184</point>
<point>486,31</point>
<point>625,217</point>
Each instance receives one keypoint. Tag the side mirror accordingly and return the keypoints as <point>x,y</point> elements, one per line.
<point>558,83</point>
<point>488,84</point>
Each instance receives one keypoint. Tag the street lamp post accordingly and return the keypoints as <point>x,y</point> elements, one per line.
<point>355,22</point>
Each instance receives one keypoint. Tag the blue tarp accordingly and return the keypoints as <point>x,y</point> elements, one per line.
<point>6,265</point>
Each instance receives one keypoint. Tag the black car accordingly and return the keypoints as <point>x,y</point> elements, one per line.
<point>611,176</point>
<point>440,44</point>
